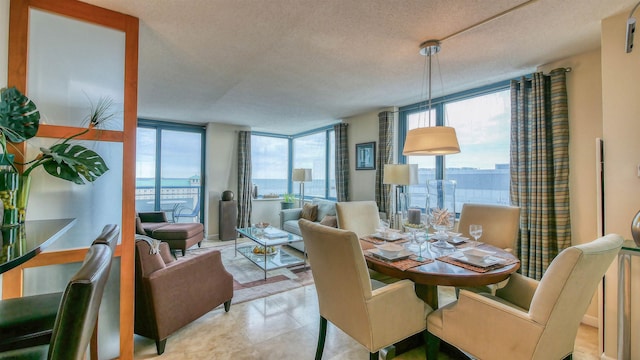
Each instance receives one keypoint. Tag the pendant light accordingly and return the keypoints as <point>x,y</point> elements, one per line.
<point>431,140</point>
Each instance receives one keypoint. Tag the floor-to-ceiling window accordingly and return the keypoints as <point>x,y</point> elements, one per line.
<point>481,118</point>
<point>169,170</point>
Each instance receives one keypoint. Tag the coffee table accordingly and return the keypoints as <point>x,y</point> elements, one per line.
<point>279,258</point>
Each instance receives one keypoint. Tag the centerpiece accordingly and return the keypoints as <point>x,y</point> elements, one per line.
<point>66,160</point>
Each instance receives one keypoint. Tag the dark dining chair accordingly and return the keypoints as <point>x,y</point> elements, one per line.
<point>78,311</point>
<point>28,321</point>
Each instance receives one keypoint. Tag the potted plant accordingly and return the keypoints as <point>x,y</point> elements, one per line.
<point>19,121</point>
<point>287,201</point>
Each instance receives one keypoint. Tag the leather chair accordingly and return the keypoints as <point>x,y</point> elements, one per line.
<point>28,321</point>
<point>170,293</point>
<point>527,319</point>
<point>78,311</point>
<point>361,217</point>
<point>375,315</point>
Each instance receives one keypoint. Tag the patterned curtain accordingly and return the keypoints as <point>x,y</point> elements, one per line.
<point>385,156</point>
<point>342,162</point>
<point>540,168</point>
<point>245,187</point>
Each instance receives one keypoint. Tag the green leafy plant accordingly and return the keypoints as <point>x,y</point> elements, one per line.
<point>19,120</point>
<point>288,198</point>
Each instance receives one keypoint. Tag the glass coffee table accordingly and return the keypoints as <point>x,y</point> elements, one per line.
<point>267,251</point>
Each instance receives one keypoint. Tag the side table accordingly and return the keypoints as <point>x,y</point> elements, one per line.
<point>629,248</point>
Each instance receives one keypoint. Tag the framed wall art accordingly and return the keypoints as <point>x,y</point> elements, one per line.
<point>366,156</point>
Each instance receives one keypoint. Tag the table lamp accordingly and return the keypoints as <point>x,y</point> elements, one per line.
<point>301,175</point>
<point>400,175</point>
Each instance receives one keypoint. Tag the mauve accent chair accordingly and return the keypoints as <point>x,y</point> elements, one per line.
<point>172,293</point>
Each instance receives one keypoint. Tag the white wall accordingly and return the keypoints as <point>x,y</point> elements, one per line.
<point>4,41</point>
<point>621,128</point>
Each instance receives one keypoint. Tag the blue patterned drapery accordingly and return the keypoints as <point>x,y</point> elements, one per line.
<point>540,168</point>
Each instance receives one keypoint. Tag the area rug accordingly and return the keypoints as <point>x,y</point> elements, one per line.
<point>248,278</point>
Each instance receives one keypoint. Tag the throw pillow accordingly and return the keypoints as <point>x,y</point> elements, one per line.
<point>309,212</point>
<point>329,221</point>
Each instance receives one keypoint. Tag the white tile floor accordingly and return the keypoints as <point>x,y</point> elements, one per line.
<point>283,326</point>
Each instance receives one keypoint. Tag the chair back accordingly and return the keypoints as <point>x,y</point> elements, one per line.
<point>340,275</point>
<point>109,236</point>
<point>500,224</point>
<point>361,217</point>
<point>565,291</point>
<point>80,305</point>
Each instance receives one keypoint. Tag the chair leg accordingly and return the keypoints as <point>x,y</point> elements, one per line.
<point>568,357</point>
<point>374,356</point>
<point>160,344</point>
<point>432,343</point>
<point>183,251</point>
<point>199,243</point>
<point>227,305</point>
<point>321,337</point>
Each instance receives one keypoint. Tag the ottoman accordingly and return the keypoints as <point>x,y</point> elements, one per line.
<point>180,235</point>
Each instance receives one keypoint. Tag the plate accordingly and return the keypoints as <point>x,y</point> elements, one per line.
<point>403,254</point>
<point>259,250</point>
<point>390,236</point>
<point>453,234</point>
<point>457,240</point>
<point>489,261</point>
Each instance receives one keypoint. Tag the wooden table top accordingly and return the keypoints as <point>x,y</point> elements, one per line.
<point>442,273</point>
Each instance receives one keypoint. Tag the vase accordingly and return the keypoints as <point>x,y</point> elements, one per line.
<point>441,209</point>
<point>8,189</point>
<point>635,228</point>
<point>22,197</point>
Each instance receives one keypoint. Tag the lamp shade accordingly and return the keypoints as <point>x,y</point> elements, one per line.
<point>434,140</point>
<point>301,175</point>
<point>400,174</point>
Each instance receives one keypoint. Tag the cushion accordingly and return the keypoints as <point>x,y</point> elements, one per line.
<point>325,207</point>
<point>149,262</point>
<point>309,212</point>
<point>329,221</point>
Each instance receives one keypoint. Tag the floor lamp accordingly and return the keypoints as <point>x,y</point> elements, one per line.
<point>301,175</point>
<point>399,175</point>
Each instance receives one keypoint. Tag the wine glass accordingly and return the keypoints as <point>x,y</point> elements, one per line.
<point>475,231</point>
<point>420,239</point>
<point>413,222</point>
<point>383,229</point>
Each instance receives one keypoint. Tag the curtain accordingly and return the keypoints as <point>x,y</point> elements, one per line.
<point>245,187</point>
<point>385,156</point>
<point>540,168</point>
<point>342,162</point>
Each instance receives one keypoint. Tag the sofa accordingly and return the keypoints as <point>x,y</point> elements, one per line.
<point>179,236</point>
<point>326,214</point>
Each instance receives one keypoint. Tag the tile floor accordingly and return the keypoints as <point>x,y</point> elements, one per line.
<point>285,326</point>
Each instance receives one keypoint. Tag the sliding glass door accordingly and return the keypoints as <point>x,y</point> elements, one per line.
<point>169,170</point>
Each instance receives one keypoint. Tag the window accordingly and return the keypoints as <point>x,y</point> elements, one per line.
<point>272,163</point>
<point>482,119</point>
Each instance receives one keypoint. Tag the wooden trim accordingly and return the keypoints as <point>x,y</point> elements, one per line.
<point>61,132</point>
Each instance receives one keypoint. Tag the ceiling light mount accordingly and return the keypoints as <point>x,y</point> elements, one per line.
<point>430,47</point>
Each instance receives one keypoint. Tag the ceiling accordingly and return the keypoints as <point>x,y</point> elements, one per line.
<point>287,66</point>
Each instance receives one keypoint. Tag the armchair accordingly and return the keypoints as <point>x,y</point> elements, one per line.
<point>170,293</point>
<point>528,319</point>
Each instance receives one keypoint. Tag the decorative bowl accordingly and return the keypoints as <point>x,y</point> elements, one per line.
<point>390,250</point>
<point>475,254</point>
<point>262,225</point>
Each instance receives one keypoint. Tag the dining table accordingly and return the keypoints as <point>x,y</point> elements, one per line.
<point>438,270</point>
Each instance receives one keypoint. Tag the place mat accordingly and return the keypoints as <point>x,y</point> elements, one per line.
<point>403,265</point>
<point>456,262</point>
<point>377,241</point>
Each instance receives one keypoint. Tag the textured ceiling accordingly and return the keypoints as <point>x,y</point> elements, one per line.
<point>292,65</point>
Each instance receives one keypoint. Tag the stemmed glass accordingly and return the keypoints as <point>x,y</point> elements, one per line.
<point>413,222</point>
<point>475,231</point>
<point>420,239</point>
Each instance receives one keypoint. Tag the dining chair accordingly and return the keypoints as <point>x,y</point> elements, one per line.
<point>28,321</point>
<point>374,314</point>
<point>179,212</point>
<point>527,319</point>
<point>78,311</point>
<point>361,217</point>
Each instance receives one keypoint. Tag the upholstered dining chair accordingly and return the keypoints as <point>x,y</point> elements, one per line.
<point>375,315</point>
<point>527,319</point>
<point>78,312</point>
<point>361,217</point>
<point>28,321</point>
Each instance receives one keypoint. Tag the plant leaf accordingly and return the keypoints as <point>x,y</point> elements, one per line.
<point>74,162</point>
<point>19,116</point>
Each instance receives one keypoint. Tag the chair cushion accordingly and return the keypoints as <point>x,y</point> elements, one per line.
<point>329,221</point>
<point>325,207</point>
<point>309,212</point>
<point>177,231</point>
<point>149,263</point>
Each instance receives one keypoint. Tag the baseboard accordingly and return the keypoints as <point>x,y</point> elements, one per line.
<point>605,357</point>
<point>213,237</point>
<point>590,320</point>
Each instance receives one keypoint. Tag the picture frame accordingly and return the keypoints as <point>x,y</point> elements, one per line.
<point>366,156</point>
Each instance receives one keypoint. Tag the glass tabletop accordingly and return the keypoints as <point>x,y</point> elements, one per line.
<point>271,237</point>
<point>630,245</point>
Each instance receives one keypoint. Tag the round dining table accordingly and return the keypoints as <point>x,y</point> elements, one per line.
<point>428,276</point>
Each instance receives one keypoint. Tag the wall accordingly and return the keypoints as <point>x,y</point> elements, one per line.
<point>621,126</point>
<point>221,170</point>
<point>584,91</point>
<point>4,41</point>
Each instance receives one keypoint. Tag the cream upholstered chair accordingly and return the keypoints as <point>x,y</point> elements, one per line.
<point>500,224</point>
<point>527,319</point>
<point>361,217</point>
<point>376,318</point>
